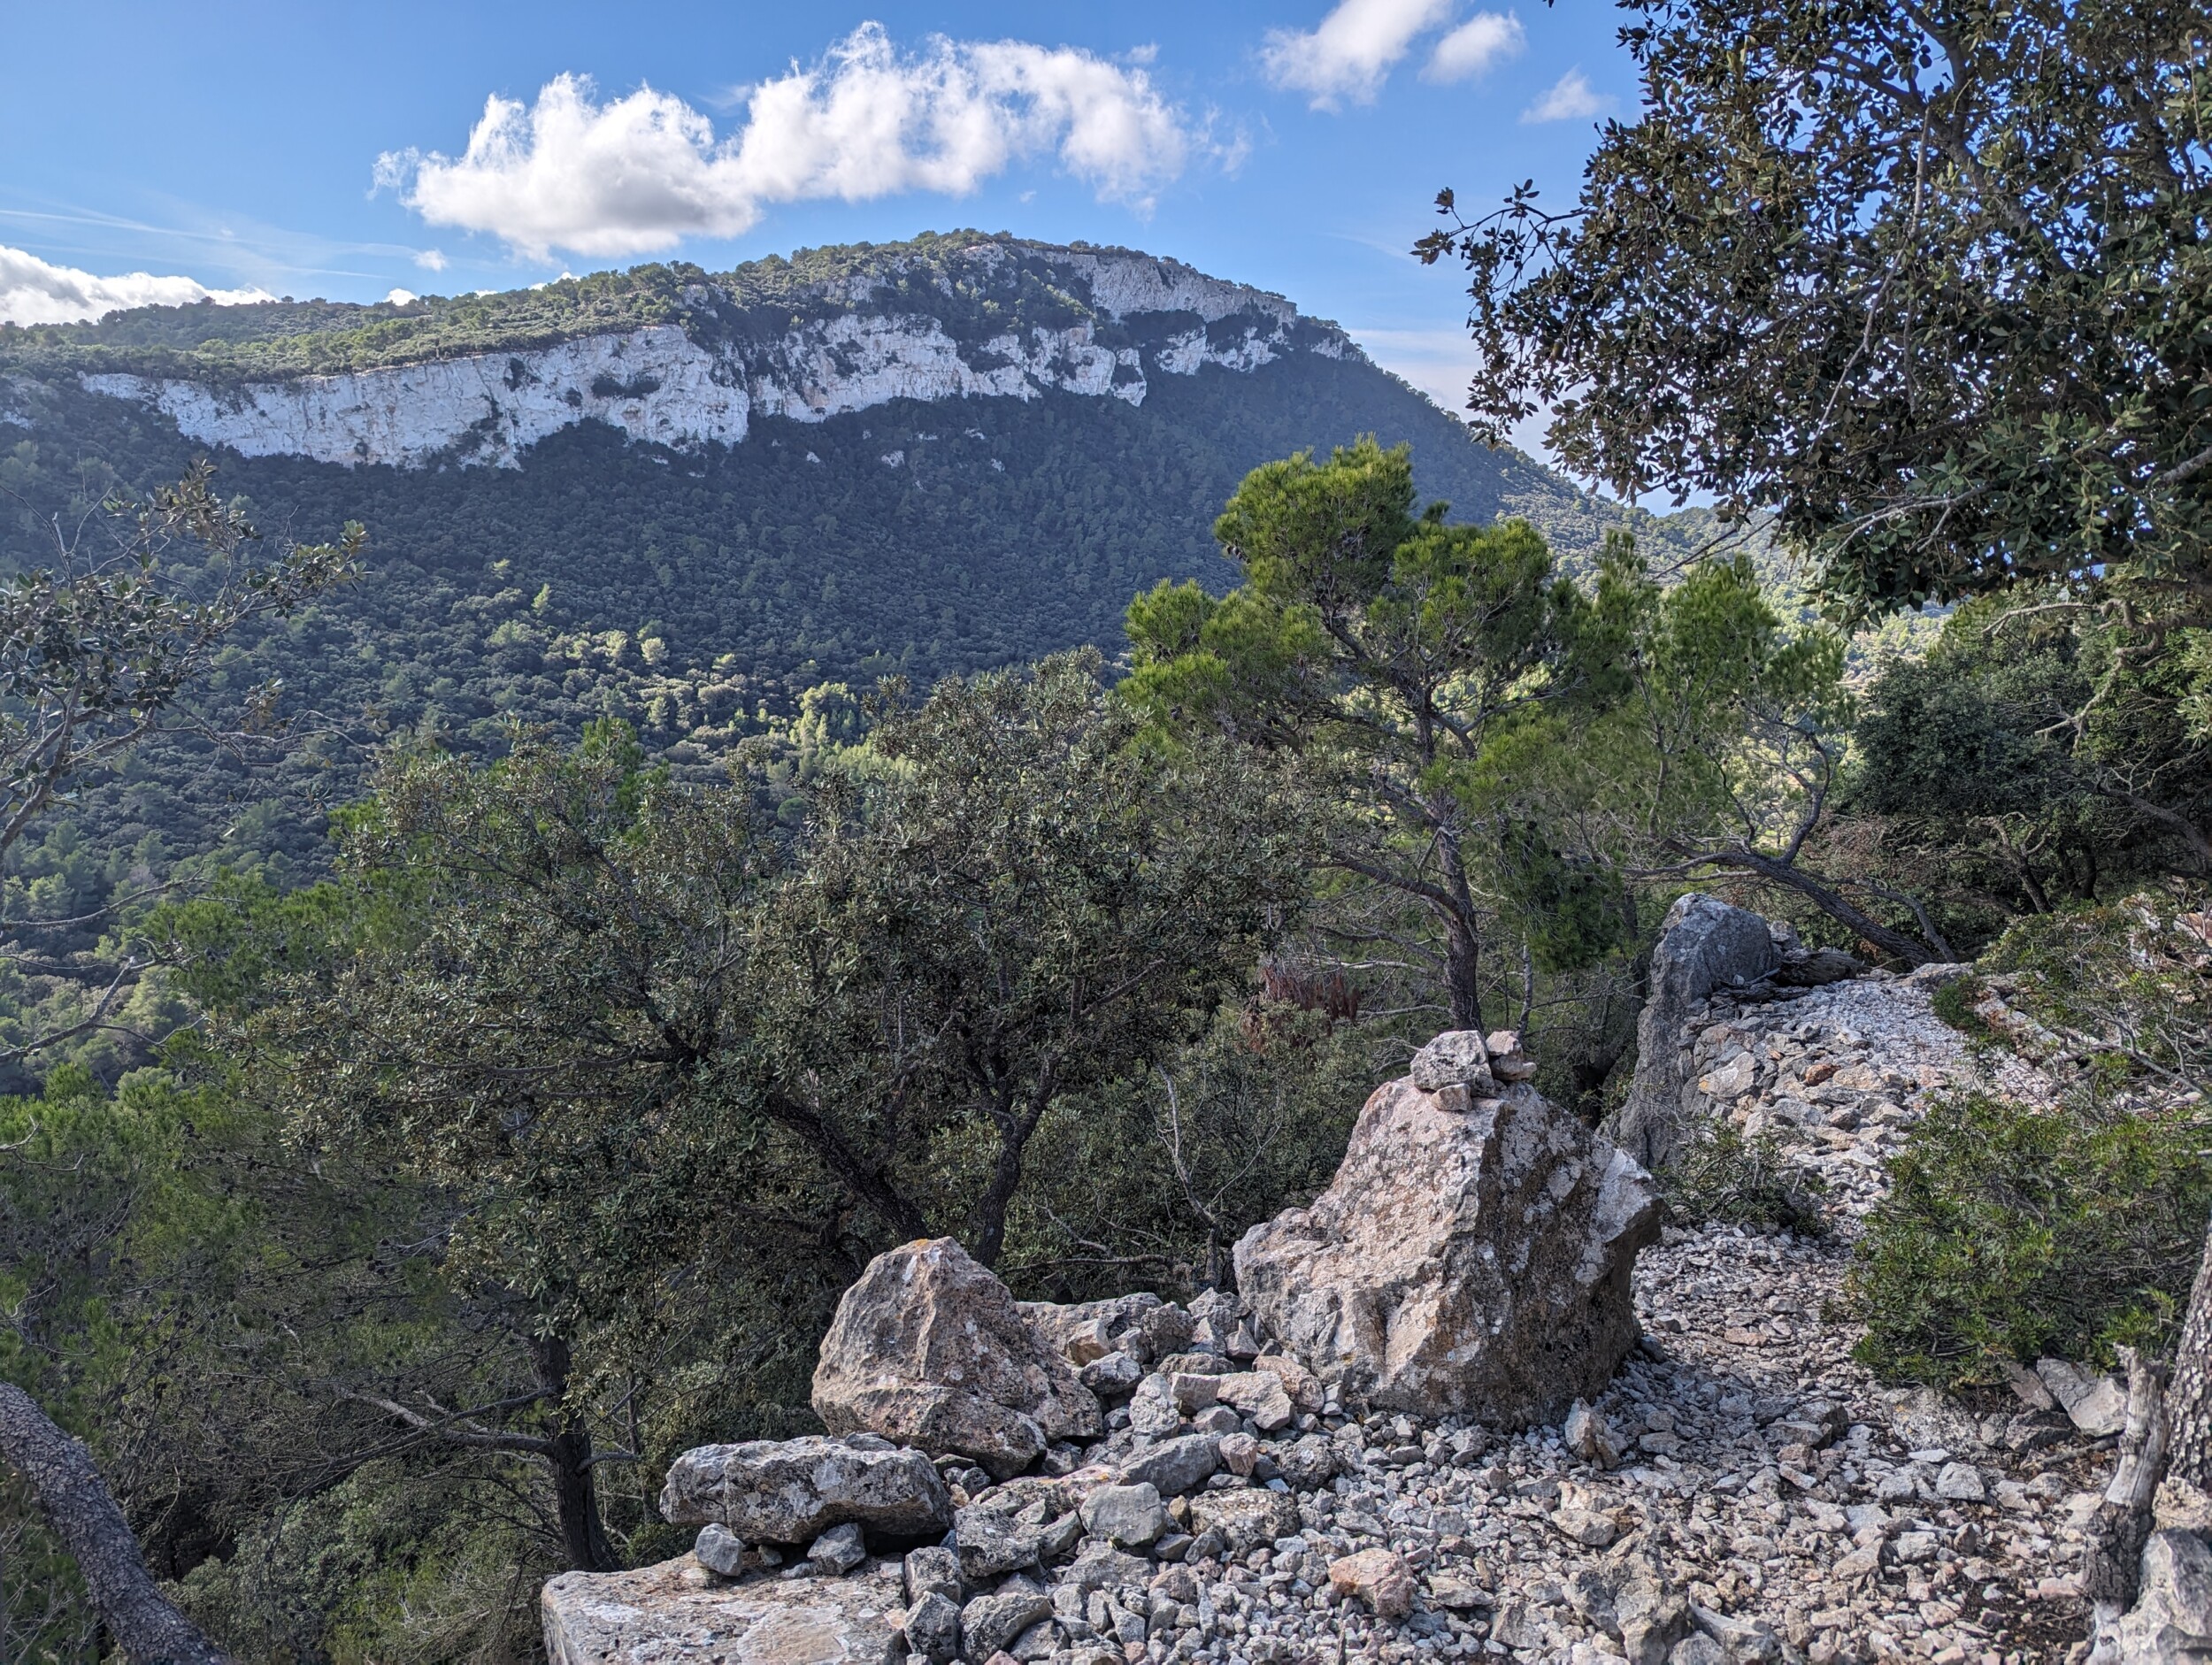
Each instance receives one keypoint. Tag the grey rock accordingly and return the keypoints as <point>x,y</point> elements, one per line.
<point>1245,1520</point>
<point>1152,1409</point>
<point>1112,1376</point>
<point>1196,1364</point>
<point>990,1544</point>
<point>1460,1264</point>
<point>2096,1404</point>
<point>1127,1516</point>
<point>652,1614</point>
<point>1217,1419</point>
<point>1815,967</point>
<point>1310,1463</point>
<point>839,1550</point>
<point>933,1567</point>
<point>2172,1614</point>
<point>720,1550</point>
<point>1040,1641</point>
<point>933,1628</point>
<point>1960,1482</point>
<point>1174,1466</point>
<point>1057,1327</point>
<point>1704,945</point>
<point>1105,1569</point>
<point>1458,1057</point>
<point>989,1623</point>
<point>792,1490</point>
<point>928,1347</point>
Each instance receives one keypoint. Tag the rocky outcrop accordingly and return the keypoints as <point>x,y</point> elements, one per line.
<point>929,1349</point>
<point>679,1610</point>
<point>706,380</point>
<point>790,1490</point>
<point>1704,945</point>
<point>1472,1257</point>
<point>1739,1489</point>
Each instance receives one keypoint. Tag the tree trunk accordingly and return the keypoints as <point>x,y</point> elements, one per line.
<point>575,1495</point>
<point>1912,950</point>
<point>2189,1388</point>
<point>1462,936</point>
<point>145,1625</point>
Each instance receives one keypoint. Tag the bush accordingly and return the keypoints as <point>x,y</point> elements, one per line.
<point>1954,1003</point>
<point>2012,1232</point>
<point>1723,1178</point>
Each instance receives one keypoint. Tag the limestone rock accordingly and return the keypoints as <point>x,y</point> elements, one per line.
<point>1458,1057</point>
<point>791,1491</point>
<point>1256,1393</point>
<point>930,1348</point>
<point>1377,1577</point>
<point>839,1550</point>
<point>932,1568</point>
<point>1127,1516</point>
<point>721,1550</point>
<point>1174,1466</point>
<point>1459,1264</point>
<point>656,1614</point>
<point>1246,1519</point>
<point>933,1628</point>
<point>1704,945</point>
<point>2172,1614</point>
<point>1067,1329</point>
<point>989,1623</point>
<point>2097,1405</point>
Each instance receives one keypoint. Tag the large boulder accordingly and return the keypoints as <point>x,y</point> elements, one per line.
<point>791,1491</point>
<point>675,1611</point>
<point>929,1348</point>
<point>1704,945</point>
<point>1468,1261</point>
<point>2172,1614</point>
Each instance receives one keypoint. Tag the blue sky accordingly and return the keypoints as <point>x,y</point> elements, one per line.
<point>1290,144</point>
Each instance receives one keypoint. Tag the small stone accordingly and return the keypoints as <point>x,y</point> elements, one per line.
<point>720,1550</point>
<point>990,1544</point>
<point>1377,1577</point>
<point>1587,1527</point>
<point>1175,1466</point>
<point>1087,1341</point>
<point>989,1623</point>
<point>1191,1392</point>
<point>2028,1385</point>
<point>1038,1642</point>
<point>839,1550</point>
<point>2097,1405</point>
<point>1914,1548</point>
<point>1590,1437</point>
<point>933,1569</point>
<point>1112,1375</point>
<point>933,1628</point>
<point>1152,1409</point>
<point>1960,1482</point>
<point>1458,1057</point>
<point>1127,1517</point>
<point>1240,1452</point>
<point>1259,1394</point>
<point>1217,1419</point>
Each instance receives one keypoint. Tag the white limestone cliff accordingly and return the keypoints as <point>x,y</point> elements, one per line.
<point>658,384</point>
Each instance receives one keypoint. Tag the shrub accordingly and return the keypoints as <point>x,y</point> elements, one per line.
<point>2012,1230</point>
<point>1723,1178</point>
<point>1954,1002</point>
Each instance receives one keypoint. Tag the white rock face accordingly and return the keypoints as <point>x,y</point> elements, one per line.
<point>658,385</point>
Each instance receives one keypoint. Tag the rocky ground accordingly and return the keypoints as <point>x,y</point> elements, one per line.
<point>1741,1489</point>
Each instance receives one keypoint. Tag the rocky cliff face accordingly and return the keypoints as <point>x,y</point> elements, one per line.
<point>998,320</point>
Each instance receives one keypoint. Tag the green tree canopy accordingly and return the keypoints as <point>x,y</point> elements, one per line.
<point>1929,284</point>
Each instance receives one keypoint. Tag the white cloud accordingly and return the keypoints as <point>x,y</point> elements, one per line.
<point>1571,98</point>
<point>1486,38</point>
<point>1353,51</point>
<point>402,297</point>
<point>430,259</point>
<point>637,174</point>
<point>32,292</point>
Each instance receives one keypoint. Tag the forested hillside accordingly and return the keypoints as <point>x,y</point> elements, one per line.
<point>697,591</point>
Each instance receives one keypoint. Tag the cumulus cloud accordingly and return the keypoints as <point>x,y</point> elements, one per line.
<point>1570,98</point>
<point>1486,38</point>
<point>636,174</point>
<point>1353,51</point>
<point>430,259</point>
<point>34,292</point>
